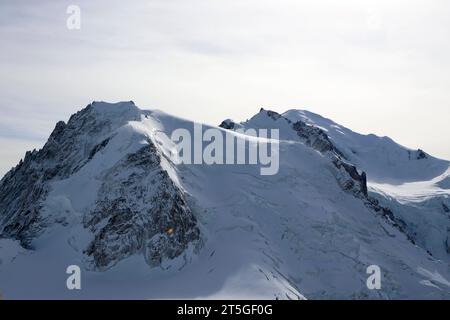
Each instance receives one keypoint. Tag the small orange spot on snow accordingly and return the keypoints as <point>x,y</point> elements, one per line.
<point>169,231</point>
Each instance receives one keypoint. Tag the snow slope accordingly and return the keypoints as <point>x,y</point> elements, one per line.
<point>297,234</point>
<point>412,183</point>
<point>384,159</point>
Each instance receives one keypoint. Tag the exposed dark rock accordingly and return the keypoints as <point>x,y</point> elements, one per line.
<point>228,124</point>
<point>390,217</point>
<point>364,183</point>
<point>421,155</point>
<point>447,242</point>
<point>133,214</point>
<point>21,191</point>
<point>315,137</point>
<point>417,155</point>
<point>446,209</point>
<point>361,179</point>
<point>274,115</point>
<point>98,147</point>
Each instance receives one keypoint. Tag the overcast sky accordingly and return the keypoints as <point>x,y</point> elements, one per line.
<point>374,66</point>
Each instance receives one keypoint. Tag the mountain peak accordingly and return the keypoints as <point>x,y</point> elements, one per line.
<point>123,108</point>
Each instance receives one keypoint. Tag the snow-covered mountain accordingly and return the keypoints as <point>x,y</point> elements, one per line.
<point>413,184</point>
<point>104,194</point>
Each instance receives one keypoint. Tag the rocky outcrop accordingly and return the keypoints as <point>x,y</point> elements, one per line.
<point>272,114</point>
<point>421,155</point>
<point>315,137</point>
<point>417,155</point>
<point>21,192</point>
<point>228,124</point>
<point>447,242</point>
<point>142,212</point>
<point>354,179</point>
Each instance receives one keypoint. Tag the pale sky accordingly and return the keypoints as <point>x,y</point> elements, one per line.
<point>378,67</point>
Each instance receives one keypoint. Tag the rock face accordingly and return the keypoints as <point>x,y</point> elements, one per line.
<point>358,181</point>
<point>314,137</point>
<point>141,212</point>
<point>136,205</point>
<point>21,191</point>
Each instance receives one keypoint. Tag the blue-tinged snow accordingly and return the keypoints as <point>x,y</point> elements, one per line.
<point>293,235</point>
